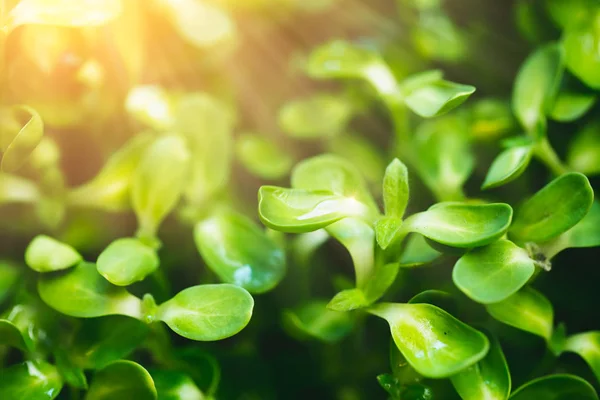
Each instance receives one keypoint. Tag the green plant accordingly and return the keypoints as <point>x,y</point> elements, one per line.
<point>158,226</point>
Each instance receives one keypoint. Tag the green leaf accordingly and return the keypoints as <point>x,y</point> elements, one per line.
<point>239,252</point>
<point>22,130</point>
<point>10,335</point>
<point>507,166</point>
<point>558,341</point>
<point>262,157</point>
<point>341,59</point>
<point>527,310</point>
<point>360,150</point>
<point>30,381</point>
<point>386,230</point>
<point>300,210</point>
<point>73,375</point>
<point>586,232</point>
<point>436,98</point>
<point>207,312</point>
<point>570,105</point>
<point>565,13</point>
<point>358,237</point>
<point>152,106</point>
<point>101,341</point>
<point>63,13</point>
<point>435,343</point>
<point>122,380</point>
<point>584,150</point>
<point>348,300</point>
<point>462,225</point>
<point>489,379</point>
<point>316,320</point>
<point>207,124</point>
<point>46,254</point>
<point>82,292</point>
<point>555,387</point>
<point>587,345</point>
<point>320,116</point>
<point>536,86</point>
<point>158,182</point>
<point>554,209</point>
<point>173,385</point>
<point>395,189</point>
<point>438,298</point>
<point>110,189</point>
<point>126,261</point>
<point>16,189</point>
<point>335,174</point>
<point>494,272</point>
<point>490,119</point>
<point>580,58</point>
<point>445,158</point>
<point>9,276</point>
<point>417,252</point>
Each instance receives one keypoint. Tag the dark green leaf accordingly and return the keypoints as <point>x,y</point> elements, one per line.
<point>316,320</point>
<point>555,387</point>
<point>122,380</point>
<point>30,381</point>
<point>10,335</point>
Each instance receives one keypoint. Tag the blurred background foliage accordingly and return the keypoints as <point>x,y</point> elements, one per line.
<point>250,57</point>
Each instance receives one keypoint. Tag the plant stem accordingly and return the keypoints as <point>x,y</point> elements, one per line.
<point>546,154</point>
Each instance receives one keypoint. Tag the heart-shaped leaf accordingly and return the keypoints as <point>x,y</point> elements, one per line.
<point>23,130</point>
<point>508,166</point>
<point>300,210</point>
<point>46,254</point>
<point>110,188</point>
<point>435,343</point>
<point>316,117</point>
<point>101,341</point>
<point>64,13</point>
<point>158,182</point>
<point>82,292</point>
<point>262,157</point>
<point>554,209</point>
<point>126,261</point>
<point>316,320</point>
<point>174,385</point>
<point>488,379</point>
<point>536,86</point>
<point>122,380</point>
<point>494,272</point>
<point>239,252</point>
<point>462,225</point>
<point>587,345</point>
<point>556,387</point>
<point>207,312</point>
<point>335,174</point>
<point>581,58</point>
<point>436,98</point>
<point>30,380</point>
<point>527,310</point>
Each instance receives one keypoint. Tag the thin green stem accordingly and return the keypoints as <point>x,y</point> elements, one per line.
<point>546,154</point>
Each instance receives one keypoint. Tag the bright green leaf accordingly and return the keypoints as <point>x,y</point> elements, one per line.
<point>207,312</point>
<point>46,254</point>
<point>581,55</point>
<point>299,210</point>
<point>436,98</point>
<point>174,385</point>
<point>584,150</point>
<point>435,343</point>
<point>395,189</point>
<point>556,387</point>
<point>82,292</point>
<point>507,166</point>
<point>315,320</point>
<point>536,86</point>
<point>527,310</point>
<point>122,380</point>
<point>262,157</point>
<point>587,345</point>
<point>386,229</point>
<point>316,117</point>
<point>570,106</point>
<point>462,225</point>
<point>565,13</point>
<point>494,272</point>
<point>489,379</point>
<point>347,300</point>
<point>554,209</point>
<point>30,380</point>
<point>239,252</point>
<point>126,261</point>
